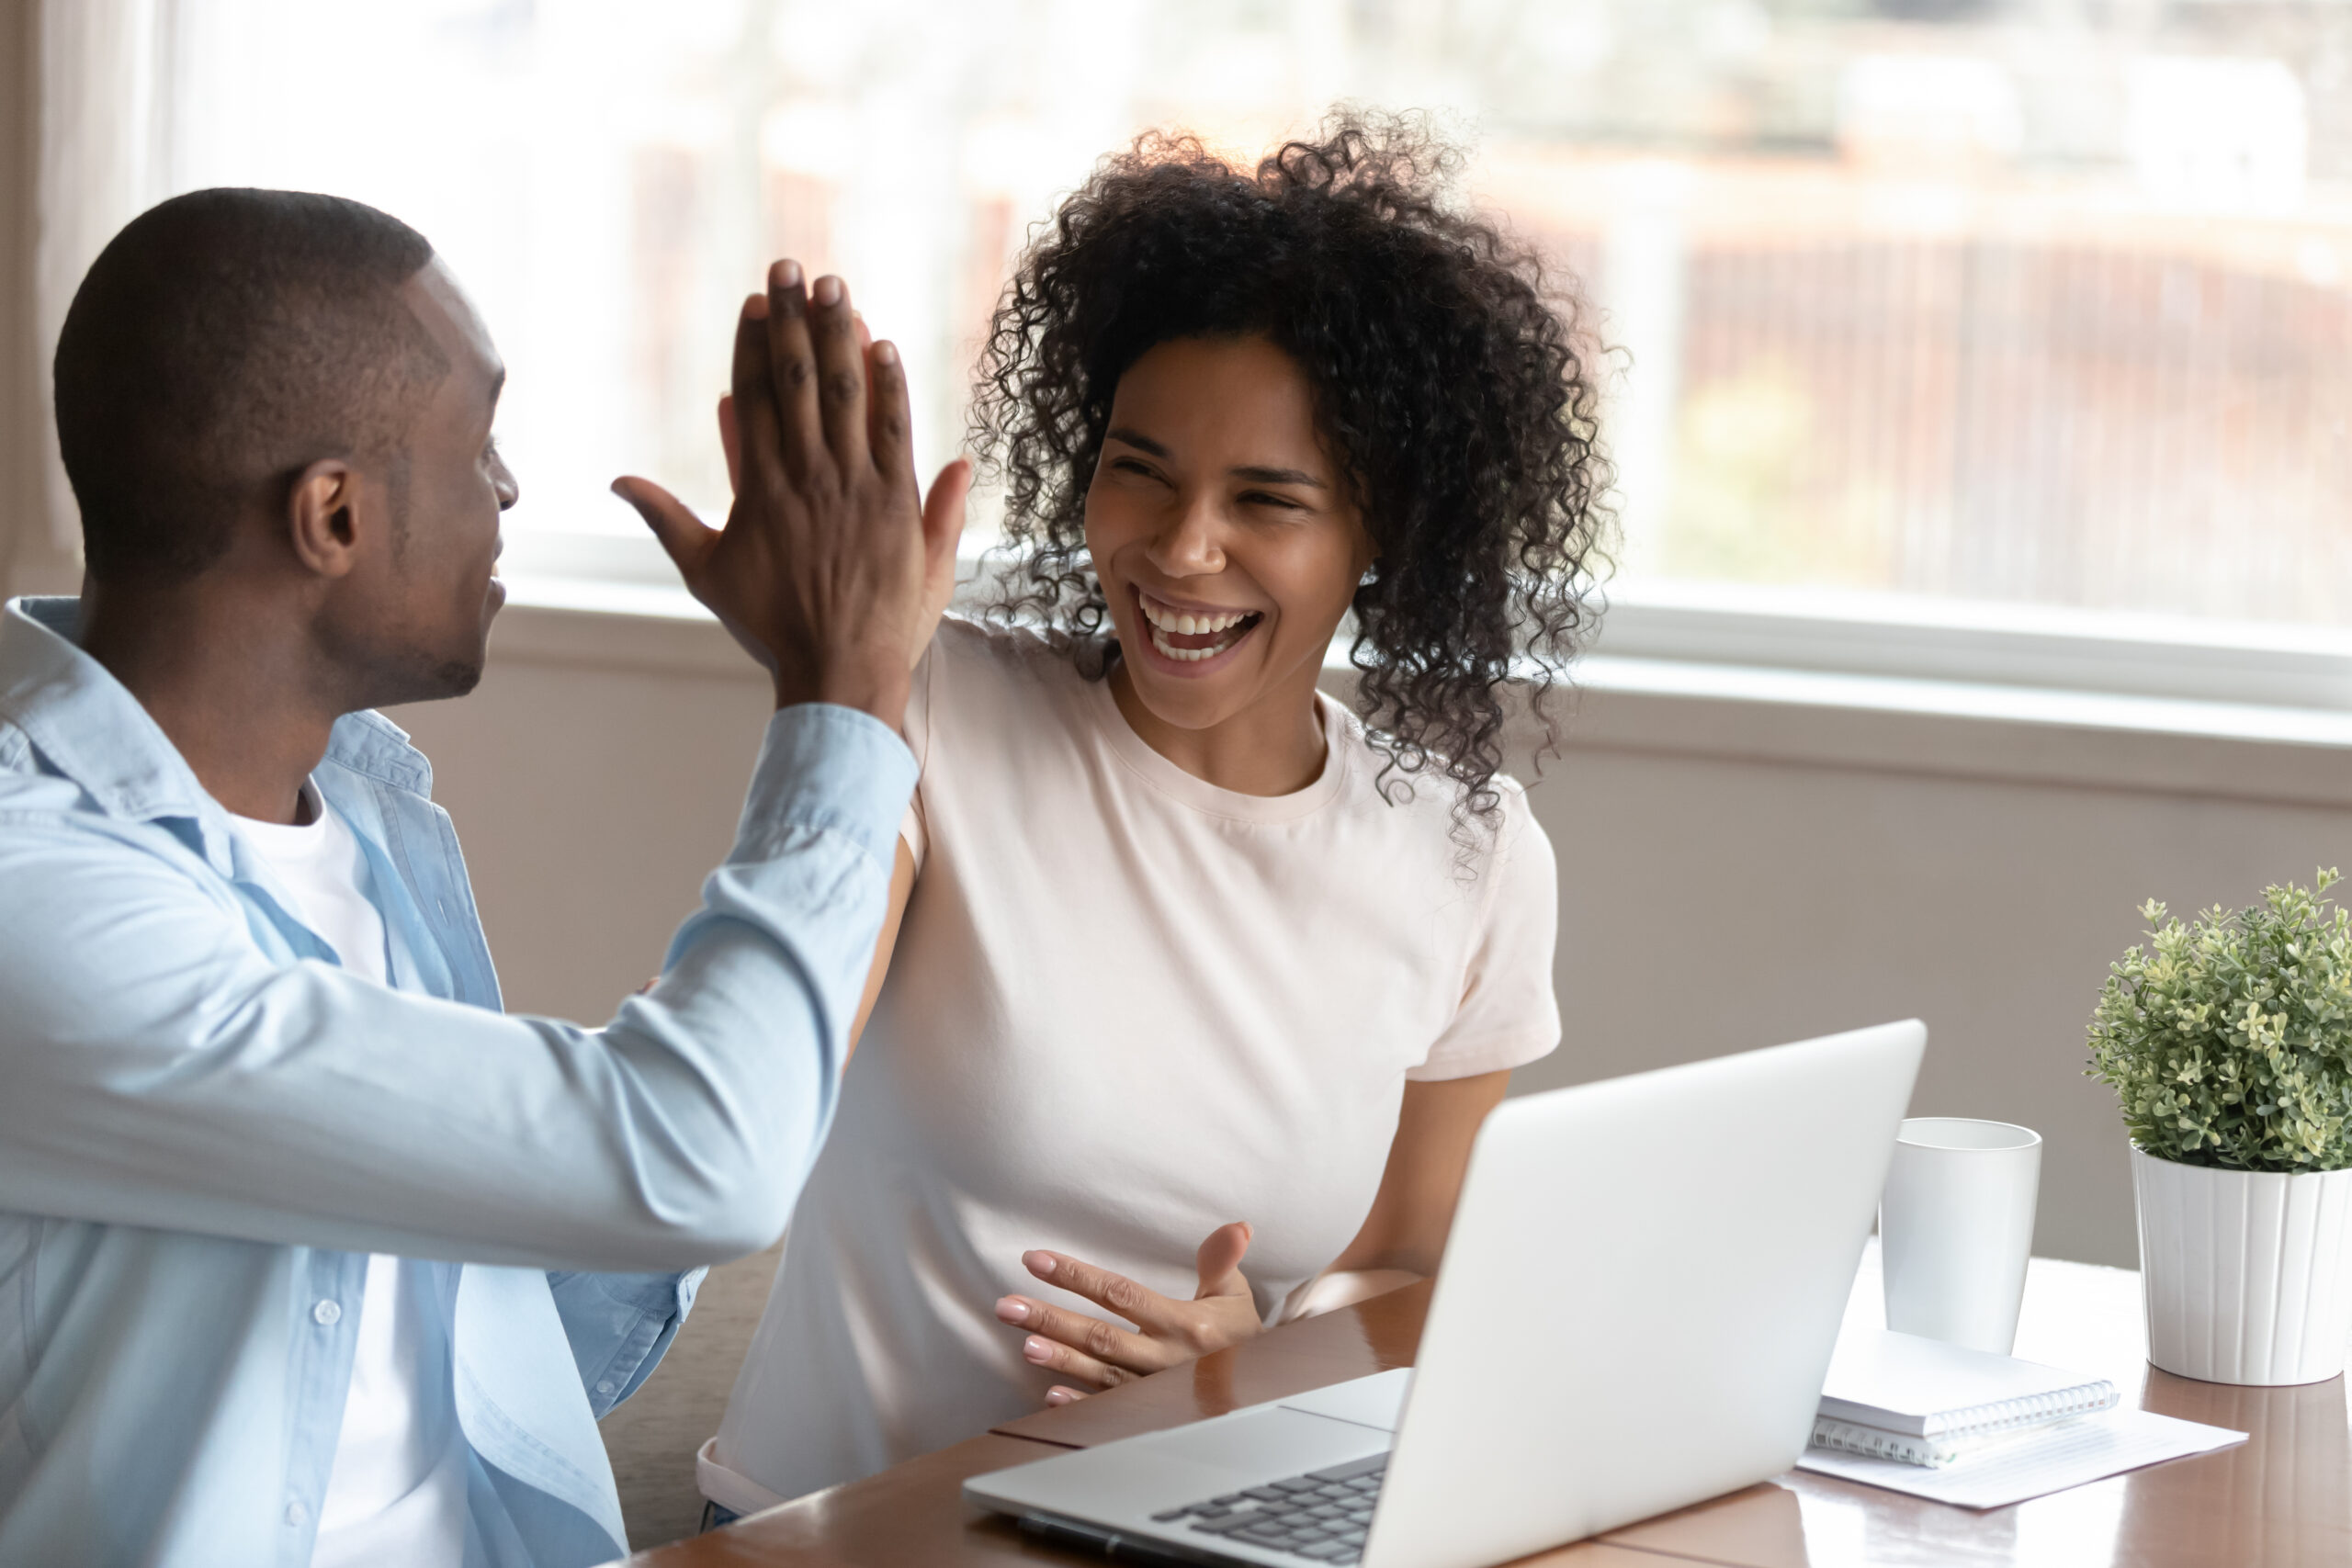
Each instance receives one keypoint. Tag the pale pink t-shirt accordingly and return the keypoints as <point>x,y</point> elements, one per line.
<point>1126,1007</point>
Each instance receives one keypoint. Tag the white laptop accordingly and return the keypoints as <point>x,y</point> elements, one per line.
<point>1635,1312</point>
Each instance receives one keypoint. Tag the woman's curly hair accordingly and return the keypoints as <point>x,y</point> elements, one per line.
<point>1449,380</point>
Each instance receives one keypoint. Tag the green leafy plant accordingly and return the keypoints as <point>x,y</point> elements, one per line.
<point>2230,1041</point>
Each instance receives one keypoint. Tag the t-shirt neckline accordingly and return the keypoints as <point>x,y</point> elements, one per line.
<point>1102,707</point>
<point>278,839</point>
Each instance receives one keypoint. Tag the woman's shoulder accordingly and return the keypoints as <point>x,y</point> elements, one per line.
<point>986,675</point>
<point>972,653</point>
<point>973,639</point>
<point>1429,803</point>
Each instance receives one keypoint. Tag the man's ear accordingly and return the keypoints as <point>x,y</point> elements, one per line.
<point>322,521</point>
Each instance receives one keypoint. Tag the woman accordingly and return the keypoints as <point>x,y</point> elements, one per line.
<point>1187,949</point>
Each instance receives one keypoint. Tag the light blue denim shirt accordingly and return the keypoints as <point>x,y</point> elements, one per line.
<point>207,1124</point>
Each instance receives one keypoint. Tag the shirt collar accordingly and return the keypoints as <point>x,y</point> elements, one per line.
<point>92,730</point>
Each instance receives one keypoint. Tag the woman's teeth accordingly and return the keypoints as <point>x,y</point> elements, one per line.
<point>1227,627</point>
<point>1187,624</point>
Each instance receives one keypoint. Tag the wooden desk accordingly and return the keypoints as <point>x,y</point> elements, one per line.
<point>2282,1500</point>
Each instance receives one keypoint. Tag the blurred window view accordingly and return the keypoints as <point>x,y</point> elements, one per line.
<point>2025,302</point>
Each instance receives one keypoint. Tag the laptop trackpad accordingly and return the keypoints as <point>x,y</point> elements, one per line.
<point>1377,1401</point>
<point>1266,1444</point>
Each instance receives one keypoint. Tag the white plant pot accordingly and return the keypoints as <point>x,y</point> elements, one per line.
<point>2247,1274</point>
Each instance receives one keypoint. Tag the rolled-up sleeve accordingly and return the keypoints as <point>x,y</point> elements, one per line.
<point>162,1070</point>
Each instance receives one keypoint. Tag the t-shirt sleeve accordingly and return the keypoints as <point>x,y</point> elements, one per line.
<point>1508,1014</point>
<point>913,832</point>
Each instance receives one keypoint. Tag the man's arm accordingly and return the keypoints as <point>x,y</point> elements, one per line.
<point>160,1070</point>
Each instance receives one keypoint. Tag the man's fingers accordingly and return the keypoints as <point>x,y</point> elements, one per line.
<point>731,441</point>
<point>758,441</point>
<point>840,372</point>
<point>1219,1261</point>
<point>792,367</point>
<point>684,537</point>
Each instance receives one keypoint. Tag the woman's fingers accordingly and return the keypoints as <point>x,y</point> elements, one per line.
<point>1097,1340</point>
<point>1056,1356</point>
<point>731,441</point>
<point>942,510</point>
<point>943,528</point>
<point>1145,1308</point>
<point>1219,1261</point>
<point>1101,1354</point>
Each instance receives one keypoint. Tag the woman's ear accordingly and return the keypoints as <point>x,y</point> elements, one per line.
<point>324,517</point>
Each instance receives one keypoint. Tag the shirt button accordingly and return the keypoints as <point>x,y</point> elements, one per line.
<point>297,1515</point>
<point>605,1387</point>
<point>326,1314</point>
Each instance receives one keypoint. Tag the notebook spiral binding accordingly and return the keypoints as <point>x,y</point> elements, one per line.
<point>1986,1424</point>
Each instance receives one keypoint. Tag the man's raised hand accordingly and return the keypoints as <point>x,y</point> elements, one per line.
<point>827,569</point>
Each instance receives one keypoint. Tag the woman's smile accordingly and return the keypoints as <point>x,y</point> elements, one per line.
<point>1192,639</point>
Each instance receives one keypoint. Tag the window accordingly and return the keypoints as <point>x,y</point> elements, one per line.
<point>2010,313</point>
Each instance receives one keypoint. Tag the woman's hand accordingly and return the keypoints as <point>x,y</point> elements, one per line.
<point>1098,1355</point>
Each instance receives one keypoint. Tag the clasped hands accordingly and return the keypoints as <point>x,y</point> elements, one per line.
<point>1096,1354</point>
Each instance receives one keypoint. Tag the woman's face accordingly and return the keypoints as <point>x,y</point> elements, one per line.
<point>1220,530</point>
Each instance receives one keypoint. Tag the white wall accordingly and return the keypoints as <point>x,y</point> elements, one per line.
<point>1732,875</point>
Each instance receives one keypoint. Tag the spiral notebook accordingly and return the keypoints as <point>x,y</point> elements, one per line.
<point>2035,1462</point>
<point>1897,1397</point>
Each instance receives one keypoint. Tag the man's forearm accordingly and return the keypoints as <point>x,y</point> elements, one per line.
<point>164,1073</point>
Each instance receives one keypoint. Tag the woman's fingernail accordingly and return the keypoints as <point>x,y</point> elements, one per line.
<point>828,290</point>
<point>1012,1309</point>
<point>1039,1263</point>
<point>1055,1397</point>
<point>1036,1349</point>
<point>787,275</point>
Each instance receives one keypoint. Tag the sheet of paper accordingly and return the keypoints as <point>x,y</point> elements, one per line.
<point>2089,1448</point>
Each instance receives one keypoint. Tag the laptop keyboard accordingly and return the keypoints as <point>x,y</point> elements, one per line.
<point>1320,1516</point>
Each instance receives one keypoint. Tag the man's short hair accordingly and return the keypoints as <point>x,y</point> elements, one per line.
<point>221,343</point>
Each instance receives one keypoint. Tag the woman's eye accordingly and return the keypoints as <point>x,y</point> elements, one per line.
<point>1264,498</point>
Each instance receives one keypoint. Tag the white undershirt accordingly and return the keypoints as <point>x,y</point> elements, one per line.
<point>397,1495</point>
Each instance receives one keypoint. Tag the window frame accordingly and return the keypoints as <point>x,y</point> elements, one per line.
<point>1867,651</point>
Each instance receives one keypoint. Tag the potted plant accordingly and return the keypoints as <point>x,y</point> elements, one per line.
<point>2229,1042</point>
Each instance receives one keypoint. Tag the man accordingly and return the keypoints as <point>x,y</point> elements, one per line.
<point>281,1189</point>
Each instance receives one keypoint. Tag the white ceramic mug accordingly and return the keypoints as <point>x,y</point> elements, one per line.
<point>1956,1227</point>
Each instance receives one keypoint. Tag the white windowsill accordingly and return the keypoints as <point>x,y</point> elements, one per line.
<point>1632,697</point>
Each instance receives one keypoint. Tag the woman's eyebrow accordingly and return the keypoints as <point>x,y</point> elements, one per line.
<point>1253,473</point>
<point>1134,438</point>
<point>1278,477</point>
